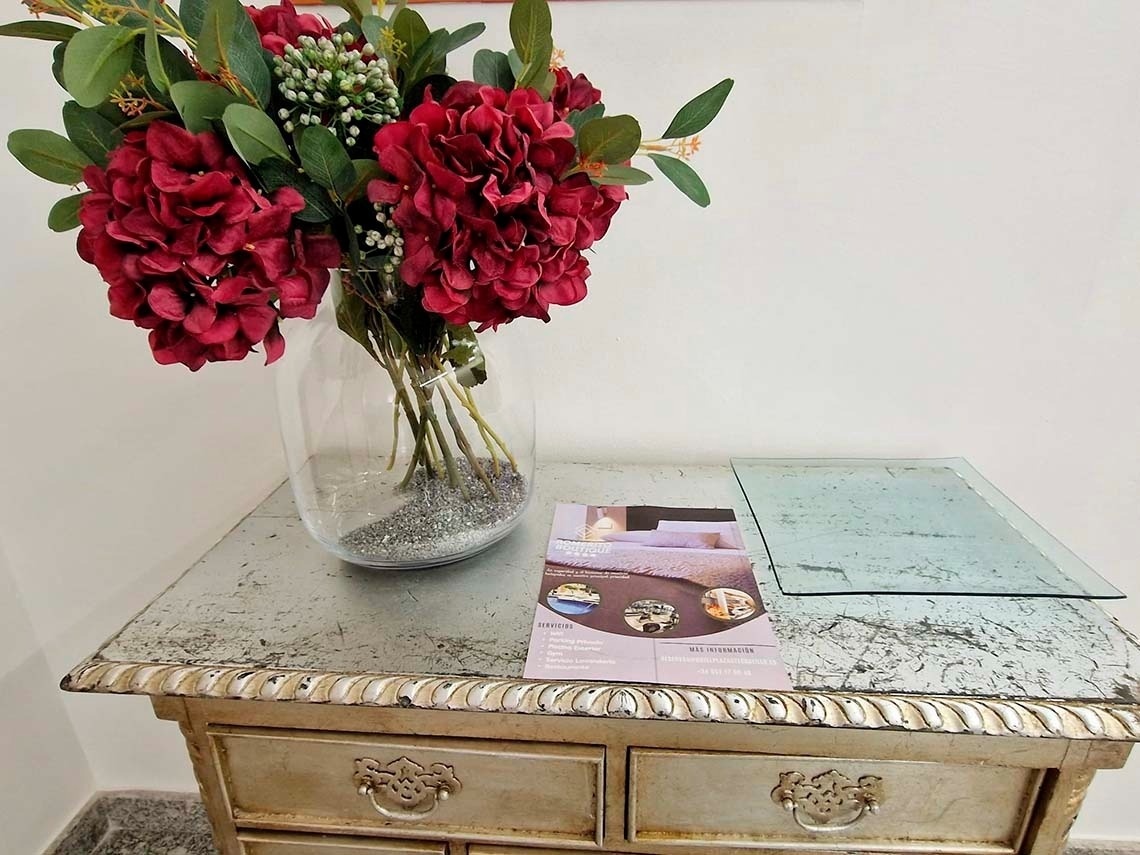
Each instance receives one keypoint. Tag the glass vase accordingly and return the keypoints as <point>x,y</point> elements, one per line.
<point>404,456</point>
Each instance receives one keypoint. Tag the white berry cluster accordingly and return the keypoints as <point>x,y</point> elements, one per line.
<point>384,239</point>
<point>325,82</point>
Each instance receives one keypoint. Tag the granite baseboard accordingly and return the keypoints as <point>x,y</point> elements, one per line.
<point>154,823</point>
<point>138,823</point>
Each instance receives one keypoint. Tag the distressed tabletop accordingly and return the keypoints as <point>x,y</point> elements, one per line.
<point>267,614</point>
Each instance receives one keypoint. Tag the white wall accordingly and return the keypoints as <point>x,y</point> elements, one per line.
<point>924,241</point>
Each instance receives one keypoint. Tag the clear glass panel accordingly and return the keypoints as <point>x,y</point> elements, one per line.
<point>929,527</point>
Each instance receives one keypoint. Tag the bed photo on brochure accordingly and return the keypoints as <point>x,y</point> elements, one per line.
<point>649,594</point>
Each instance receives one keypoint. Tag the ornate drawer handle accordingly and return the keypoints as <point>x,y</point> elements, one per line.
<point>828,802</point>
<point>403,789</point>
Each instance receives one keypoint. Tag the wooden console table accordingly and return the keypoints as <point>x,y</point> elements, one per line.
<point>340,711</point>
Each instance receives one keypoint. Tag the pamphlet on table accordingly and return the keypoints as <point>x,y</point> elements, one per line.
<point>648,594</point>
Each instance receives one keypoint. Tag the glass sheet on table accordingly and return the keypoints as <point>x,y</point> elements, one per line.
<point>926,527</point>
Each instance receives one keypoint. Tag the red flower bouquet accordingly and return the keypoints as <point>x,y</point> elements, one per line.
<point>233,156</point>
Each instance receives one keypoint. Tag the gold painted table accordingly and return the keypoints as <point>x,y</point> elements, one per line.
<point>331,710</point>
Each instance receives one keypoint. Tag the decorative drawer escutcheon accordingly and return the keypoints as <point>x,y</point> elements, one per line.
<point>403,789</point>
<point>829,801</point>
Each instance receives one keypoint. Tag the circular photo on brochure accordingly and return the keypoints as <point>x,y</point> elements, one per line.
<point>573,598</point>
<point>651,616</point>
<point>728,604</point>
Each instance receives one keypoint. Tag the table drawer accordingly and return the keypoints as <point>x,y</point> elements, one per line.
<point>411,786</point>
<point>269,843</point>
<point>768,801</point>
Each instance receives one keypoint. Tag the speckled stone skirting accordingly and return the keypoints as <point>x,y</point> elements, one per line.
<point>152,823</point>
<point>138,823</point>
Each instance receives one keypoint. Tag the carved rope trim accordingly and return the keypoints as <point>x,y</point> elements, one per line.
<point>938,714</point>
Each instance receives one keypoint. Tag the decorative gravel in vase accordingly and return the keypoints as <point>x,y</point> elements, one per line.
<point>237,160</point>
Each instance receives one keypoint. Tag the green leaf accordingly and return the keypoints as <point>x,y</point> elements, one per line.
<point>218,23</point>
<point>353,316</point>
<point>492,68</point>
<point>695,116</point>
<point>155,70</point>
<point>627,175</point>
<point>684,177</point>
<point>95,61</point>
<point>410,29</point>
<point>64,214</point>
<point>428,60</point>
<point>253,134</point>
<point>464,35</point>
<point>515,62</point>
<point>47,31</point>
<point>57,55</point>
<point>530,27</point>
<point>365,170</point>
<point>229,40</point>
<point>193,15</point>
<point>48,155</point>
<point>579,117</point>
<point>200,103</point>
<point>352,28</point>
<point>372,26</point>
<point>465,355</point>
<point>275,173</point>
<point>610,139</point>
<point>531,35</point>
<point>94,135</point>
<point>325,160</point>
<point>145,119</point>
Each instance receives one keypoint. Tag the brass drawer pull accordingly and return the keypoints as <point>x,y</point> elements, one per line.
<point>828,802</point>
<point>403,789</point>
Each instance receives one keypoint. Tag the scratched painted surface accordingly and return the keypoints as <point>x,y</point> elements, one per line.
<point>904,526</point>
<point>267,596</point>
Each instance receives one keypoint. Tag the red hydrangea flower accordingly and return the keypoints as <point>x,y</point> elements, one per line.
<point>572,93</point>
<point>491,230</point>
<point>280,25</point>
<point>193,253</point>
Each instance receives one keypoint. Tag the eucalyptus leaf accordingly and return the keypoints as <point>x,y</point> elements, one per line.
<point>155,69</point>
<point>371,26</point>
<point>93,134</point>
<point>229,40</point>
<point>212,50</point>
<point>530,26</point>
<point>253,134</point>
<point>325,160</point>
<point>352,28</point>
<point>48,155</point>
<point>200,103</point>
<point>145,119</point>
<point>492,68</point>
<point>579,117</point>
<point>610,139</point>
<point>275,173</point>
<point>515,62</point>
<point>193,15</point>
<point>95,61</point>
<point>626,175</point>
<point>48,31</point>
<point>695,116</point>
<point>464,35</point>
<point>684,177</point>
<point>365,170</point>
<point>57,55</point>
<point>429,59</point>
<point>465,356</point>
<point>64,214</point>
<point>353,316</point>
<point>409,27</point>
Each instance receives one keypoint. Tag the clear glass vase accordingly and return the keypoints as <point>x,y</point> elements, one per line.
<point>402,457</point>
